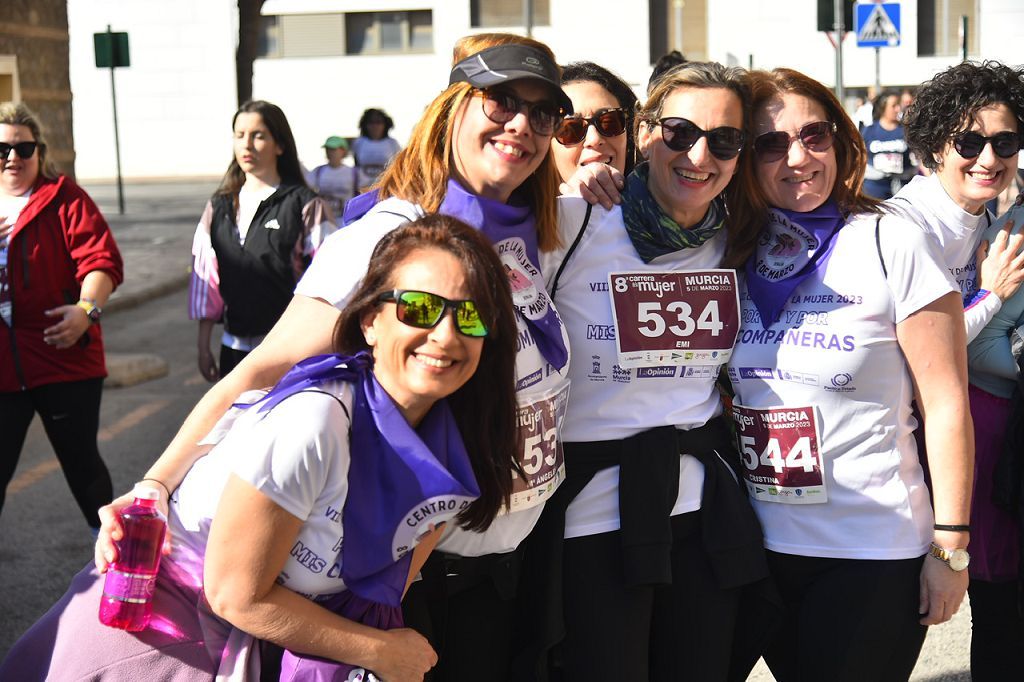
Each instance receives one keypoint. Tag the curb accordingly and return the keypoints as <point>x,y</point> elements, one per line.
<point>134,299</point>
<point>129,369</point>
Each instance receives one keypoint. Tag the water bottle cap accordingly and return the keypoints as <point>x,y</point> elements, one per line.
<point>145,492</point>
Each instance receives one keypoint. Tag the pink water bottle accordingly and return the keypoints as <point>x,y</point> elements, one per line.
<point>127,601</point>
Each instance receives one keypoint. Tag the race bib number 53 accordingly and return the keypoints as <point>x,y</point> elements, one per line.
<point>674,318</point>
<point>781,457</point>
<point>539,418</point>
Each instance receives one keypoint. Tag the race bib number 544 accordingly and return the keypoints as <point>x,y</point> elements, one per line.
<point>781,457</point>
<point>674,318</point>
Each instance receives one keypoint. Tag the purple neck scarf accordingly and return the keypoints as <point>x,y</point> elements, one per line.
<point>513,231</point>
<point>402,483</point>
<point>790,248</point>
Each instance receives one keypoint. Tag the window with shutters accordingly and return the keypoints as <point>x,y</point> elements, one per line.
<point>303,35</point>
<point>506,13</point>
<point>352,33</point>
<point>389,32</point>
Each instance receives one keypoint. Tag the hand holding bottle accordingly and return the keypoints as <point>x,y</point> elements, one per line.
<point>112,531</point>
<point>127,601</point>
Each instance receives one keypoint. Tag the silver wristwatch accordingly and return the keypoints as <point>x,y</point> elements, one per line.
<point>956,559</point>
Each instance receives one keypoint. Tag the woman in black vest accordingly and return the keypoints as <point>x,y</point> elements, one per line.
<point>256,237</point>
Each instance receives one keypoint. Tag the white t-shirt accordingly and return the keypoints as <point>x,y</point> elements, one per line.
<point>298,456</point>
<point>609,402</point>
<point>334,275</point>
<point>336,185</point>
<point>372,156</point>
<point>924,202</point>
<point>834,348</point>
<point>249,201</point>
<point>10,209</point>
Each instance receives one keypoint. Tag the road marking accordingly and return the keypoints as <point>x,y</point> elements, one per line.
<point>35,474</point>
<point>131,420</point>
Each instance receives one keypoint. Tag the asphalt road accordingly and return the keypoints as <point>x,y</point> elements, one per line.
<point>44,539</point>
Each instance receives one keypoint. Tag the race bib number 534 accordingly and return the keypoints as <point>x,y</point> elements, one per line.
<point>674,318</point>
<point>781,457</point>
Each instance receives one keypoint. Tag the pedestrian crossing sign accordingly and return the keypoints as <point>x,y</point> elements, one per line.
<point>878,24</point>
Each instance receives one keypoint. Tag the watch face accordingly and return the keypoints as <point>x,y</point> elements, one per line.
<point>959,559</point>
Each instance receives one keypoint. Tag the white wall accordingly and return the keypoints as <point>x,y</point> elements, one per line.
<point>325,96</point>
<point>785,34</point>
<point>174,102</point>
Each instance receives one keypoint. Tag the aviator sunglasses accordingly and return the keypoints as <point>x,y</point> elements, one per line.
<point>607,122</point>
<point>814,137</point>
<point>680,134</point>
<point>970,144</point>
<point>424,310</point>
<point>24,150</point>
<point>502,107</point>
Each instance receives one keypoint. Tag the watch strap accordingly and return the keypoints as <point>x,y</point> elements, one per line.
<point>956,559</point>
<point>91,309</point>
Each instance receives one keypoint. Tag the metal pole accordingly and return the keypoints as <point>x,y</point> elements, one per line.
<point>528,17</point>
<point>963,32</point>
<point>677,6</point>
<point>878,70</point>
<point>117,140</point>
<point>837,7</point>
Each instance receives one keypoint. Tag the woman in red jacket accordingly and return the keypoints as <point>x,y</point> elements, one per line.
<point>58,265</point>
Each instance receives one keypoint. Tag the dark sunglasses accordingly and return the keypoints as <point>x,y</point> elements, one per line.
<point>424,310</point>
<point>814,137</point>
<point>502,107</point>
<point>680,134</point>
<point>970,144</point>
<point>25,150</point>
<point>607,122</point>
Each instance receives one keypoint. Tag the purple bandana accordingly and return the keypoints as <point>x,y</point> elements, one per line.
<point>790,248</point>
<point>403,482</point>
<point>513,231</point>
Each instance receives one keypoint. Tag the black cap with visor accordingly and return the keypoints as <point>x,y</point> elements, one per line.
<point>508,63</point>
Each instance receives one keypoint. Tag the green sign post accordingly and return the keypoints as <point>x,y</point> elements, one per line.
<point>112,52</point>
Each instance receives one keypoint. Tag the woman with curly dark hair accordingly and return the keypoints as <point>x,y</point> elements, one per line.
<point>966,126</point>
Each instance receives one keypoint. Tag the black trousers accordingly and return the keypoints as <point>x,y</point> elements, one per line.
<point>70,412</point>
<point>465,607</point>
<point>997,631</point>
<point>229,359</point>
<point>677,632</point>
<point>846,619</point>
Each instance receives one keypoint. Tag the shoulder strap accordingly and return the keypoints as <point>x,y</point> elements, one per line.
<point>572,247</point>
<point>878,245</point>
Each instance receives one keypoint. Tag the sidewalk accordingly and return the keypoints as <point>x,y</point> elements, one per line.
<point>155,239</point>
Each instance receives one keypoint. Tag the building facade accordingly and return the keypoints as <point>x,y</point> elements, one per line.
<point>325,61</point>
<point>34,70</point>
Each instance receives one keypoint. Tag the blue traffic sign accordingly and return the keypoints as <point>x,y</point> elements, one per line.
<point>878,24</point>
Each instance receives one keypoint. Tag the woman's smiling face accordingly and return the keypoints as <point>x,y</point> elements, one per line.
<point>418,367</point>
<point>685,183</point>
<point>588,98</point>
<point>974,181</point>
<point>493,159</point>
<point>801,180</point>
